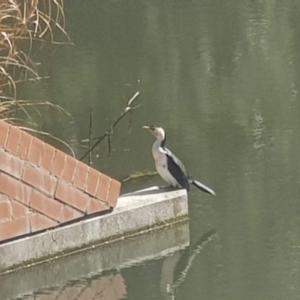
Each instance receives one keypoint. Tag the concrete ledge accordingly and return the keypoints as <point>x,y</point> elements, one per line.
<point>135,213</point>
<point>59,273</point>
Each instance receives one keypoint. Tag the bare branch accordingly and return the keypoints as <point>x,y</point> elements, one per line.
<point>109,132</point>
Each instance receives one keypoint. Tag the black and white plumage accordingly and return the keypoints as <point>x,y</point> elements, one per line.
<point>169,167</point>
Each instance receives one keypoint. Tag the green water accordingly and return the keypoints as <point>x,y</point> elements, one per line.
<point>222,77</point>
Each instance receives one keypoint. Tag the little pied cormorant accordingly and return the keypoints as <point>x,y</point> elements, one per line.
<point>169,167</point>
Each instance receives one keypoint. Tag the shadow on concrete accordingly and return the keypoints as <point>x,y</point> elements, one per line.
<point>152,191</point>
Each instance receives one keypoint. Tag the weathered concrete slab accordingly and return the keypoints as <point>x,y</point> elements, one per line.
<point>59,273</point>
<point>136,213</point>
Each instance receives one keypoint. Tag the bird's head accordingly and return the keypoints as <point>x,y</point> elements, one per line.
<point>158,132</point>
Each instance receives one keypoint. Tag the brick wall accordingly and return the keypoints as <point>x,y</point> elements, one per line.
<point>42,187</point>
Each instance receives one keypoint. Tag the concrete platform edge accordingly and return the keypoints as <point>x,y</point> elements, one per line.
<point>136,213</point>
<point>97,262</point>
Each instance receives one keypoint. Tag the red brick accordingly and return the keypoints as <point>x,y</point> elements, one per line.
<point>58,163</point>
<point>114,193</point>
<point>72,196</point>
<point>23,193</point>
<point>14,188</point>
<point>47,206</point>
<point>19,210</point>
<point>99,284</point>
<point>36,151</point>
<point>119,289</point>
<point>38,178</point>
<point>81,175</point>
<point>92,182</point>
<point>5,210</point>
<point>88,293</point>
<point>109,287</point>
<point>13,140</point>
<point>11,164</point>
<point>40,222</point>
<point>70,214</point>
<point>69,169</point>
<point>4,132</point>
<point>48,156</point>
<point>103,187</point>
<point>3,197</point>
<point>8,185</point>
<point>73,292</point>
<point>24,145</point>
<point>96,206</point>
<point>14,228</point>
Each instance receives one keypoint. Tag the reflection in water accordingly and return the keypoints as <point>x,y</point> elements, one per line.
<point>171,269</point>
<point>222,77</point>
<point>103,271</point>
<point>191,255</point>
<point>111,286</point>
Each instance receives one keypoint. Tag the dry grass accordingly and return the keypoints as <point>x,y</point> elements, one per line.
<point>25,26</point>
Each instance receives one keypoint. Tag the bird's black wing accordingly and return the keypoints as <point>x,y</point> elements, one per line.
<point>177,169</point>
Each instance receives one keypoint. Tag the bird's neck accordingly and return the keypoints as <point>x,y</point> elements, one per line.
<point>158,144</point>
<point>162,143</point>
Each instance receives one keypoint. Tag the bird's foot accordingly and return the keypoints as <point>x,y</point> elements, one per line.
<point>167,187</point>
<point>164,187</point>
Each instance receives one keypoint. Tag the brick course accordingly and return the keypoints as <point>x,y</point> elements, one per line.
<point>42,187</point>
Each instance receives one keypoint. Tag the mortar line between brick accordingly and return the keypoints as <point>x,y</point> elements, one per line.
<point>29,147</point>
<point>23,168</point>
<point>55,190</point>
<point>41,213</point>
<point>30,196</point>
<point>65,203</point>
<point>7,137</point>
<point>22,203</point>
<point>29,221</point>
<point>36,188</point>
<point>75,208</point>
<point>108,190</point>
<point>19,141</point>
<point>74,175</point>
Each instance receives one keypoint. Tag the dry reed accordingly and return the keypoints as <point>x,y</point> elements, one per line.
<point>25,26</point>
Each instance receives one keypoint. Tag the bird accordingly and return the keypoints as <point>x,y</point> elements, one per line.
<point>169,167</point>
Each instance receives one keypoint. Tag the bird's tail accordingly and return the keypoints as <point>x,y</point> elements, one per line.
<point>203,187</point>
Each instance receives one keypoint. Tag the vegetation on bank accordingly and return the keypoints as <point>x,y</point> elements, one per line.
<point>25,27</point>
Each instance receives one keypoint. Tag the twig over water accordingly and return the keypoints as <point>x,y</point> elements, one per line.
<point>109,132</point>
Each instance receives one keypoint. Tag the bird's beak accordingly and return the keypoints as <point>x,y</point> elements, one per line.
<point>149,128</point>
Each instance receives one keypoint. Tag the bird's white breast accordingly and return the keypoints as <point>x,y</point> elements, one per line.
<point>161,164</point>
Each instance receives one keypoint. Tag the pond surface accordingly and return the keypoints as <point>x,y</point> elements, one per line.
<point>222,77</point>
